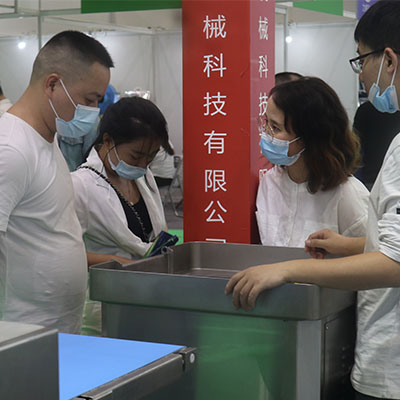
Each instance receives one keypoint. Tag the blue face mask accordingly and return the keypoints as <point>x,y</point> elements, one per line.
<point>276,150</point>
<point>387,101</point>
<point>125,170</point>
<point>84,119</point>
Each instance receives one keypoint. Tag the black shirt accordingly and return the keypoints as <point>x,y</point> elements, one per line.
<point>133,221</point>
<point>376,131</point>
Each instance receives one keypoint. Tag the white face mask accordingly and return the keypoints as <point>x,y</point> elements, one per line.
<point>125,170</point>
<point>387,101</point>
<point>84,119</point>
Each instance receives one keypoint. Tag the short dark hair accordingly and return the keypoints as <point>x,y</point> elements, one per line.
<point>379,27</point>
<point>283,77</point>
<point>69,53</point>
<point>133,118</point>
<point>314,113</point>
<point>1,91</point>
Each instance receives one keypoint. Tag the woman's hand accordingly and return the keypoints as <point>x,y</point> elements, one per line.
<point>326,241</point>
<point>248,284</point>
<point>323,242</point>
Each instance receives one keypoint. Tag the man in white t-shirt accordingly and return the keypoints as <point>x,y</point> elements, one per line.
<point>372,265</point>
<point>43,266</point>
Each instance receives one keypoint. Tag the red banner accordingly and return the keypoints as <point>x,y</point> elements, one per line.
<point>228,71</point>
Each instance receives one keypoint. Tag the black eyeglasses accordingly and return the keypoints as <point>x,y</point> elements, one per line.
<point>357,62</point>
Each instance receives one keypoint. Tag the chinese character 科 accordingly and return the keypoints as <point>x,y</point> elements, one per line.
<point>211,217</point>
<point>263,103</point>
<point>214,179</point>
<point>263,66</point>
<point>218,104</point>
<point>214,64</point>
<point>215,141</point>
<point>215,27</point>
<point>263,28</point>
<point>216,240</point>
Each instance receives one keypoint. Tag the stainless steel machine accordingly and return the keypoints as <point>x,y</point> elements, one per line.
<point>297,344</point>
<point>28,362</point>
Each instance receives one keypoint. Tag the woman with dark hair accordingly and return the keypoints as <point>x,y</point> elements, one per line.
<point>305,133</point>
<point>116,197</point>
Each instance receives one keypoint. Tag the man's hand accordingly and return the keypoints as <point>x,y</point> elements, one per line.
<point>248,284</point>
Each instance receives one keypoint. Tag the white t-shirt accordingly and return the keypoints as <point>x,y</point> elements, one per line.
<point>43,267</point>
<point>5,104</point>
<point>287,213</point>
<point>377,359</point>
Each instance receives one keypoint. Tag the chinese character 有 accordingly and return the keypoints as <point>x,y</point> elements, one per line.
<point>215,141</point>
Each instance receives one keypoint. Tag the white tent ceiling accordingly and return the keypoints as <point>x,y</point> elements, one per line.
<point>19,17</point>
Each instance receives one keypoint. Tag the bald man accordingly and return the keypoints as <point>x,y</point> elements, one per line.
<point>43,266</point>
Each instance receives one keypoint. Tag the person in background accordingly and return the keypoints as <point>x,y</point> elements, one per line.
<point>5,103</point>
<point>116,197</point>
<point>43,265</point>
<point>370,264</point>
<point>314,152</point>
<point>284,77</point>
<point>376,131</point>
<point>163,167</point>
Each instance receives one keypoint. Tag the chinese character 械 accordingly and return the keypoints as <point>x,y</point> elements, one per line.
<point>215,27</point>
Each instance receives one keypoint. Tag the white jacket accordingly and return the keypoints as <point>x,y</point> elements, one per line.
<point>102,216</point>
<point>287,213</point>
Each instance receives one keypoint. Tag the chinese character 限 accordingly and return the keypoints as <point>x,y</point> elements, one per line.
<point>263,103</point>
<point>214,179</point>
<point>215,141</point>
<point>263,66</point>
<point>212,217</point>
<point>216,101</point>
<point>214,64</point>
<point>215,27</point>
<point>263,28</point>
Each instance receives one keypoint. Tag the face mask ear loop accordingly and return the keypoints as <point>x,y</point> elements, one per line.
<point>294,140</point>
<point>66,91</point>
<point>51,105</point>
<point>380,69</point>
<point>115,151</point>
<point>394,73</point>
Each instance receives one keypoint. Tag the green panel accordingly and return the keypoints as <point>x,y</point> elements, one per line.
<point>177,232</point>
<point>95,6</point>
<point>326,6</point>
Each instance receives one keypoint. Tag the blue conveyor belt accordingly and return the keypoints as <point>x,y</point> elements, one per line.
<point>86,362</point>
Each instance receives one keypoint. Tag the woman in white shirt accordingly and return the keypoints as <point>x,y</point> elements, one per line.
<point>116,197</point>
<point>306,134</point>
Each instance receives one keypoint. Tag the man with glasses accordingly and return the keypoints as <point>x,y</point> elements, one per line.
<point>370,265</point>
